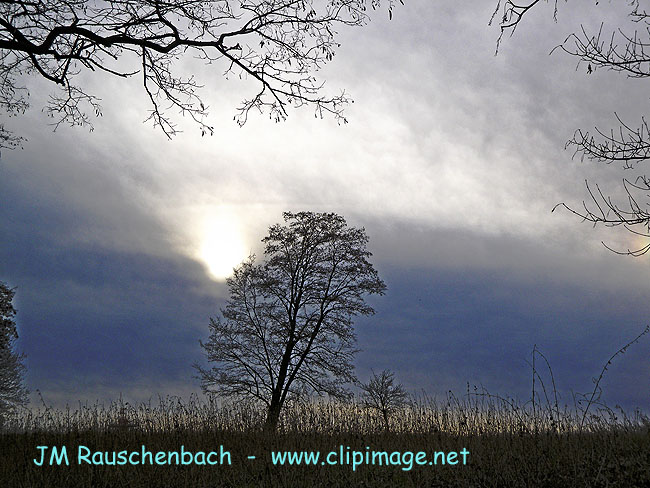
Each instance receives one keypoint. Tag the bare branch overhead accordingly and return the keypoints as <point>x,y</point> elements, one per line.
<point>280,44</point>
<point>624,49</point>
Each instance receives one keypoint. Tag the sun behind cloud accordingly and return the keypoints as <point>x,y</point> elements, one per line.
<point>222,247</point>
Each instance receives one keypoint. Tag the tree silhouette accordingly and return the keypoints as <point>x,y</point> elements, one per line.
<point>287,328</point>
<point>280,44</point>
<point>12,391</point>
<point>382,394</point>
<point>624,50</point>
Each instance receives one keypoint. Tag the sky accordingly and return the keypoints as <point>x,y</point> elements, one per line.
<point>118,240</point>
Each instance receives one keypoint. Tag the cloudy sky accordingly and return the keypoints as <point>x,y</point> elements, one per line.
<point>118,240</point>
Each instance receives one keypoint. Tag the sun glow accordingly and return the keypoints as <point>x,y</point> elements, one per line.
<point>222,246</point>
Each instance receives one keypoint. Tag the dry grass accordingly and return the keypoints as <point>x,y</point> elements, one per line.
<point>511,444</point>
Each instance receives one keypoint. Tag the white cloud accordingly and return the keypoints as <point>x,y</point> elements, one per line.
<point>443,135</point>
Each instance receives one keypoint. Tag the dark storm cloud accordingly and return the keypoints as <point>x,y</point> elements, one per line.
<point>94,317</point>
<point>440,329</point>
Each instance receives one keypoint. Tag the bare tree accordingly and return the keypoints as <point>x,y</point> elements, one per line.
<point>287,328</point>
<point>280,44</point>
<point>382,394</point>
<point>12,391</point>
<point>625,50</point>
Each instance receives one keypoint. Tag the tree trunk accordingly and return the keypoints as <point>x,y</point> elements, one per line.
<point>277,400</point>
<point>273,416</point>
<point>386,422</point>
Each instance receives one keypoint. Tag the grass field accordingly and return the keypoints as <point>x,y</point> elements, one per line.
<point>510,444</point>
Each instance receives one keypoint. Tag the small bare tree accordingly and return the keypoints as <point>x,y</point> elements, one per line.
<point>382,394</point>
<point>279,44</point>
<point>625,50</point>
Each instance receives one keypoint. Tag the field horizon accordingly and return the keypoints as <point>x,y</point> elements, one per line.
<point>509,443</point>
